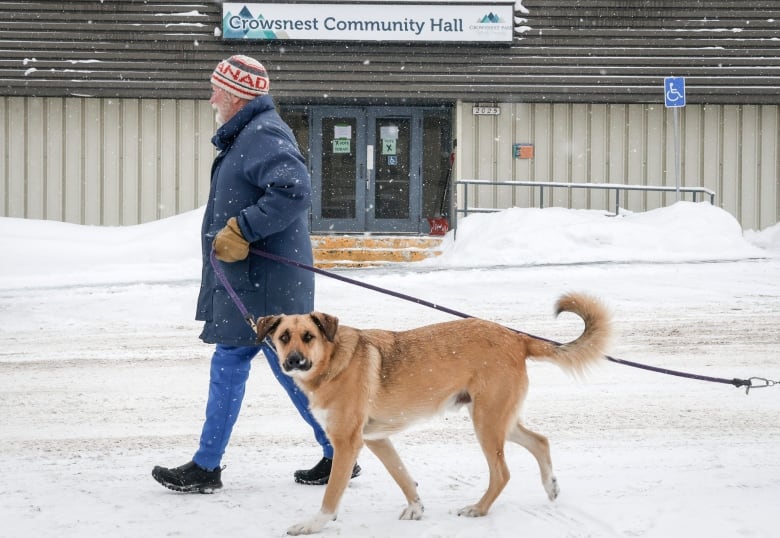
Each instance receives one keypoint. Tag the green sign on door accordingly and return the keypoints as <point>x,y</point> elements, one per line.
<point>341,145</point>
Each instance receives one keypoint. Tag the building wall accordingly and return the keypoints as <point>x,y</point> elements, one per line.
<point>127,161</point>
<point>104,119</point>
<point>733,150</point>
<point>103,161</point>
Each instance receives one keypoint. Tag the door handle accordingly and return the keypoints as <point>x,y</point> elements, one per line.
<point>369,165</point>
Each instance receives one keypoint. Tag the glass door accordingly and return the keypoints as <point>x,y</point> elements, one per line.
<point>366,168</point>
<point>338,170</point>
<point>394,183</point>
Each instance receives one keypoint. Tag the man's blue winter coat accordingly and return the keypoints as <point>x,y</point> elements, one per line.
<point>260,178</point>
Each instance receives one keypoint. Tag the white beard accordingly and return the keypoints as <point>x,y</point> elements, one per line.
<point>218,117</point>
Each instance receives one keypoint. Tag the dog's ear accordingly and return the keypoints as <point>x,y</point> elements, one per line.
<point>327,324</point>
<point>266,325</point>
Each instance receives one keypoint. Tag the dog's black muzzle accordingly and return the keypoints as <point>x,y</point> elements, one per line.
<point>296,361</point>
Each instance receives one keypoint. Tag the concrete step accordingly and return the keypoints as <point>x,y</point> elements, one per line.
<point>332,251</point>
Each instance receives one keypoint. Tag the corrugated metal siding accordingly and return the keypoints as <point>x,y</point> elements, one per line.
<point>619,51</point>
<point>595,51</point>
<point>103,161</point>
<point>577,74</point>
<point>125,161</point>
<point>733,150</point>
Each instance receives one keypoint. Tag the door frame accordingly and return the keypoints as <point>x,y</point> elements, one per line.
<point>411,224</point>
<point>345,225</point>
<point>365,173</point>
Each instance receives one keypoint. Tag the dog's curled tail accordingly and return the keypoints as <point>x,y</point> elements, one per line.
<point>589,348</point>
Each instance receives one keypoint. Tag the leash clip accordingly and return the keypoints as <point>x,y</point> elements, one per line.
<point>759,383</point>
<point>250,319</point>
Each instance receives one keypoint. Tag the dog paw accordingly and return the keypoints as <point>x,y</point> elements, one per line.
<point>312,526</point>
<point>471,511</point>
<point>413,511</point>
<point>552,489</point>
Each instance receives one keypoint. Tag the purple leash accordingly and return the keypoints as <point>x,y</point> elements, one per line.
<point>250,319</point>
<point>750,383</point>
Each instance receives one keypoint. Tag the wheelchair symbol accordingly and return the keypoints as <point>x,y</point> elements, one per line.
<point>674,91</point>
<point>673,95</point>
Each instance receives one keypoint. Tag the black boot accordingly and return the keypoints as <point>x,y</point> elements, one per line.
<point>189,478</point>
<point>320,473</point>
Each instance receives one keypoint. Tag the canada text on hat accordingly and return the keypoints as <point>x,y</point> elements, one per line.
<point>242,76</point>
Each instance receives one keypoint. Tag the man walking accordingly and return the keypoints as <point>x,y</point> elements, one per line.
<point>259,198</point>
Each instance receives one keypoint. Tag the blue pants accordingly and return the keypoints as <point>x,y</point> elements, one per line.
<point>229,372</point>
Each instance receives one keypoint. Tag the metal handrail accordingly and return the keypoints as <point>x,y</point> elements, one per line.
<point>617,187</point>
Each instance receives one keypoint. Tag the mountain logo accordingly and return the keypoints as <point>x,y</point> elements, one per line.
<point>490,18</point>
<point>245,25</point>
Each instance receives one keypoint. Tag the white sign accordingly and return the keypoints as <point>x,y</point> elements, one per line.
<point>342,131</point>
<point>486,110</point>
<point>388,132</point>
<point>468,23</point>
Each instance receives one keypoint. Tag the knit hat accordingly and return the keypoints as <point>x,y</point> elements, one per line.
<point>242,76</point>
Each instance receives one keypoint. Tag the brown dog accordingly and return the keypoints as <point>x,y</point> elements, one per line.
<point>366,385</point>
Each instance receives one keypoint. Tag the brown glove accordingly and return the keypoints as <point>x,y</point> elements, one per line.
<point>229,245</point>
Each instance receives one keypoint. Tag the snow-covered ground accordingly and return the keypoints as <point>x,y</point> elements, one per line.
<point>102,377</point>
